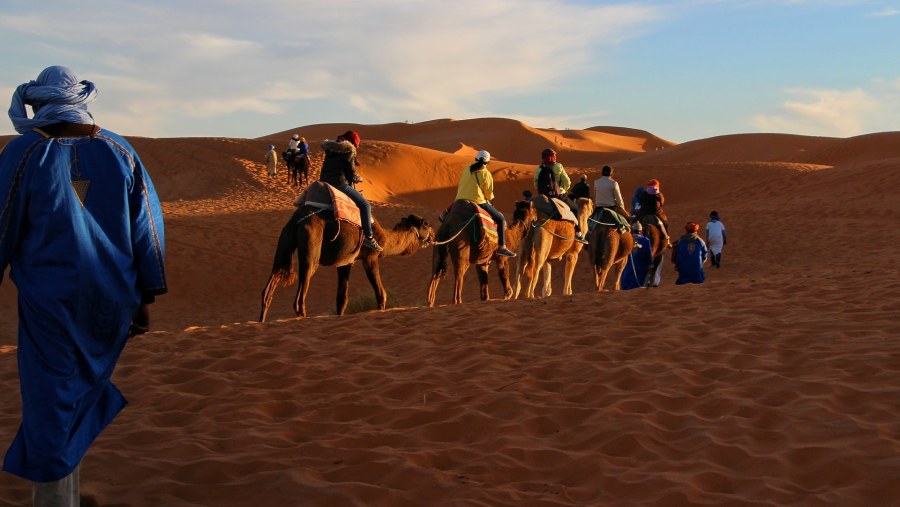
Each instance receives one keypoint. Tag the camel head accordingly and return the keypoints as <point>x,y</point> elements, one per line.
<point>418,224</point>
<point>524,212</point>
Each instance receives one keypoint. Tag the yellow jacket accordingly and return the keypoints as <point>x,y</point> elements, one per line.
<point>476,186</point>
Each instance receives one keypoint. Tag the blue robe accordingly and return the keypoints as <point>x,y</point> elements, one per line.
<point>689,255</point>
<point>635,273</point>
<point>81,268</point>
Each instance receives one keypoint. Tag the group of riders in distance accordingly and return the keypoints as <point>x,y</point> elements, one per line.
<point>557,222</point>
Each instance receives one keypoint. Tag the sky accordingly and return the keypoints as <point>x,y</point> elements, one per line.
<point>682,69</point>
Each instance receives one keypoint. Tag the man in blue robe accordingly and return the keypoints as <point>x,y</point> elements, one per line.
<point>81,230</point>
<point>635,273</point>
<point>689,254</point>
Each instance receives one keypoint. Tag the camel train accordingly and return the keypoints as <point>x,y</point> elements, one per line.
<point>464,239</point>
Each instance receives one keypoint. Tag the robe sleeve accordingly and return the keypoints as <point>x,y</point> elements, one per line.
<point>148,236</point>
<point>11,173</point>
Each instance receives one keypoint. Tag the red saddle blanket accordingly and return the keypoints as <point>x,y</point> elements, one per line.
<point>466,209</point>
<point>323,195</point>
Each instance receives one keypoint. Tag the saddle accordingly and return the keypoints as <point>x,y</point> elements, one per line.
<point>646,220</point>
<point>555,208</point>
<point>485,234</point>
<point>324,196</point>
<point>606,216</point>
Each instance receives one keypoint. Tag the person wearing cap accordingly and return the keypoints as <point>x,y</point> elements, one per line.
<point>271,161</point>
<point>715,238</point>
<point>651,203</point>
<point>639,261</point>
<point>551,180</point>
<point>477,185</point>
<point>580,189</point>
<point>689,254</point>
<point>339,171</point>
<point>607,195</point>
<point>81,229</point>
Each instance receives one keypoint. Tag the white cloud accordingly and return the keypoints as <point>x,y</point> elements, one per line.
<point>178,63</point>
<point>841,113</point>
<point>886,12</point>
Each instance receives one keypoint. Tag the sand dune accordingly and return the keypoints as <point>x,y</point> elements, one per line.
<point>774,383</point>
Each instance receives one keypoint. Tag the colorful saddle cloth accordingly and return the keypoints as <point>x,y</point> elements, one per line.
<point>323,195</point>
<point>466,209</point>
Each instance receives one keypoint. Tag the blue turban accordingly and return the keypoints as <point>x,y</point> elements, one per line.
<point>55,96</point>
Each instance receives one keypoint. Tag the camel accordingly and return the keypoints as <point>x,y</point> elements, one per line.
<point>657,241</point>
<point>457,232</point>
<point>549,240</point>
<point>609,252</point>
<point>321,241</point>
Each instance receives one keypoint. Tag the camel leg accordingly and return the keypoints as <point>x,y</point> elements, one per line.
<point>571,261</point>
<point>304,274</point>
<point>460,266</point>
<point>503,271</point>
<point>547,286</point>
<point>517,278</point>
<point>603,273</point>
<point>374,276</point>
<point>482,270</point>
<point>267,294</point>
<point>616,273</point>
<point>438,271</point>
<point>343,286</point>
<point>538,260</point>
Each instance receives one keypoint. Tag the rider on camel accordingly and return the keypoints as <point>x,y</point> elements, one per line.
<point>551,180</point>
<point>607,195</point>
<point>339,171</point>
<point>477,185</point>
<point>652,201</point>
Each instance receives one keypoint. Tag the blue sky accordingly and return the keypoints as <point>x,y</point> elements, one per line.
<point>683,69</point>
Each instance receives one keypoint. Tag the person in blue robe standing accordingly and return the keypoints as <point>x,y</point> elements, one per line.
<point>689,254</point>
<point>639,261</point>
<point>81,231</point>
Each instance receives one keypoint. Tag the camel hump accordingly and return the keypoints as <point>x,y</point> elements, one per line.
<point>461,208</point>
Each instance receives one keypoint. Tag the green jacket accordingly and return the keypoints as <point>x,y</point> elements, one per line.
<point>559,174</point>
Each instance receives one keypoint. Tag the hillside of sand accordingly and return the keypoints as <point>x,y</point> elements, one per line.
<point>774,383</point>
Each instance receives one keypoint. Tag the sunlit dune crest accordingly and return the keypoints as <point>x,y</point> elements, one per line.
<point>774,383</point>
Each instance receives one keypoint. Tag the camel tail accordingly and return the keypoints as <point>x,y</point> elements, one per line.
<point>283,273</point>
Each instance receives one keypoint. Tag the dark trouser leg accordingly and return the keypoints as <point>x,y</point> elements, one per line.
<point>499,218</point>
<point>365,209</point>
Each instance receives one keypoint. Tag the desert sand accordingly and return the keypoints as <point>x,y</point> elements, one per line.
<point>776,382</point>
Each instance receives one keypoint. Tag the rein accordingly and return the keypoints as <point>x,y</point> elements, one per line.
<point>310,215</point>
<point>541,226</point>
<point>602,223</point>
<point>458,232</point>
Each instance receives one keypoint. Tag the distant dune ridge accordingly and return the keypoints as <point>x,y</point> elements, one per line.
<point>774,383</point>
